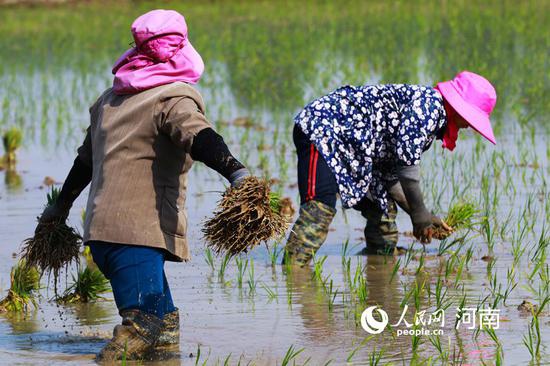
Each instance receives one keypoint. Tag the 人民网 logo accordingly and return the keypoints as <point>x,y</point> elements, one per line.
<point>370,324</point>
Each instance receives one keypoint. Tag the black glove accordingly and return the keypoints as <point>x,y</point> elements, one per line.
<point>210,148</point>
<point>237,177</point>
<point>53,213</point>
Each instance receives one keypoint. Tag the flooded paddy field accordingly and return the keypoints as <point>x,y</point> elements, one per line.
<point>264,61</point>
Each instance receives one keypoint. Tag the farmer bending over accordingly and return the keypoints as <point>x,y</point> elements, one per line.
<point>145,133</point>
<point>365,143</point>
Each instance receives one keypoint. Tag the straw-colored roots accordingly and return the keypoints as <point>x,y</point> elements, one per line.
<point>53,247</point>
<point>244,218</point>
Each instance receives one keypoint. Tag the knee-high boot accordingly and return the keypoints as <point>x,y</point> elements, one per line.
<point>309,232</point>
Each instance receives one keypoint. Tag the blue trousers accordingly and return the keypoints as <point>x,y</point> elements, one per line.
<point>137,276</point>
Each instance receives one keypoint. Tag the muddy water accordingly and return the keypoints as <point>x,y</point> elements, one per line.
<point>223,319</point>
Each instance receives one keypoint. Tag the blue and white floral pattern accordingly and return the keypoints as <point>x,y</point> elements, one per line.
<point>364,132</point>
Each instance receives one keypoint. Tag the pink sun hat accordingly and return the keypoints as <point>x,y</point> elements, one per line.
<point>474,98</point>
<point>162,55</point>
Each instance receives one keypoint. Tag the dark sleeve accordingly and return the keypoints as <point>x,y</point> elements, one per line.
<point>209,148</point>
<point>409,179</point>
<point>85,150</point>
<point>79,177</point>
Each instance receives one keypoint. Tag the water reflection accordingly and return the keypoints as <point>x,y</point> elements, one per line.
<point>13,180</point>
<point>94,313</point>
<point>22,322</point>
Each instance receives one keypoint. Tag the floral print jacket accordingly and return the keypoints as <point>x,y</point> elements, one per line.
<point>365,132</point>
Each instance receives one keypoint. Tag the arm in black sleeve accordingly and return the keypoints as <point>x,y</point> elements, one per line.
<point>209,148</point>
<point>409,179</point>
<point>78,178</point>
<point>396,193</point>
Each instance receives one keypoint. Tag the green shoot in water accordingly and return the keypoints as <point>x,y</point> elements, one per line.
<point>87,286</point>
<point>12,139</point>
<point>290,355</point>
<point>25,283</point>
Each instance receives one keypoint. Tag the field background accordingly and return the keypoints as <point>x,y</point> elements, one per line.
<point>264,61</point>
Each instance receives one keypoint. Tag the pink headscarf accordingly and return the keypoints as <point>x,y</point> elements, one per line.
<point>163,54</point>
<point>451,130</point>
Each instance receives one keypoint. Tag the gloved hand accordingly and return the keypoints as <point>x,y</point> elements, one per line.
<point>53,213</point>
<point>237,177</point>
<point>422,225</point>
<point>425,226</point>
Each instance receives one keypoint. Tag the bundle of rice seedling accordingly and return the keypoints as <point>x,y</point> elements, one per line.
<point>11,139</point>
<point>460,216</point>
<point>245,217</point>
<point>25,282</point>
<point>54,245</point>
<point>87,286</point>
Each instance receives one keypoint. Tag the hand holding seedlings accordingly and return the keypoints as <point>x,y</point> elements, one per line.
<point>54,244</point>
<point>460,215</point>
<point>246,216</point>
<point>53,213</point>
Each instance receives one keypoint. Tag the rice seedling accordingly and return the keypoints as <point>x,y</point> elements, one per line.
<point>290,355</point>
<point>241,269</point>
<point>435,340</point>
<point>396,267</point>
<point>533,338</point>
<point>420,266</point>
<point>223,266</point>
<point>460,216</point>
<point>354,350</point>
<point>24,286</point>
<point>460,314</point>
<point>375,357</point>
<point>12,139</point>
<point>209,258</point>
<point>460,269</point>
<point>445,244</point>
<point>416,341</point>
<point>361,290</point>
<point>271,295</point>
<point>88,285</point>
<point>274,252</point>
<point>331,293</point>
<point>345,249</point>
<point>198,356</point>
<point>54,245</point>
<point>492,334</point>
<point>318,267</point>
<point>245,217</point>
<point>251,278</point>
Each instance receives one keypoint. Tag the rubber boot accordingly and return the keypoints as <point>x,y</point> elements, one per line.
<point>134,338</point>
<point>381,232</point>
<point>170,331</point>
<point>309,232</point>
